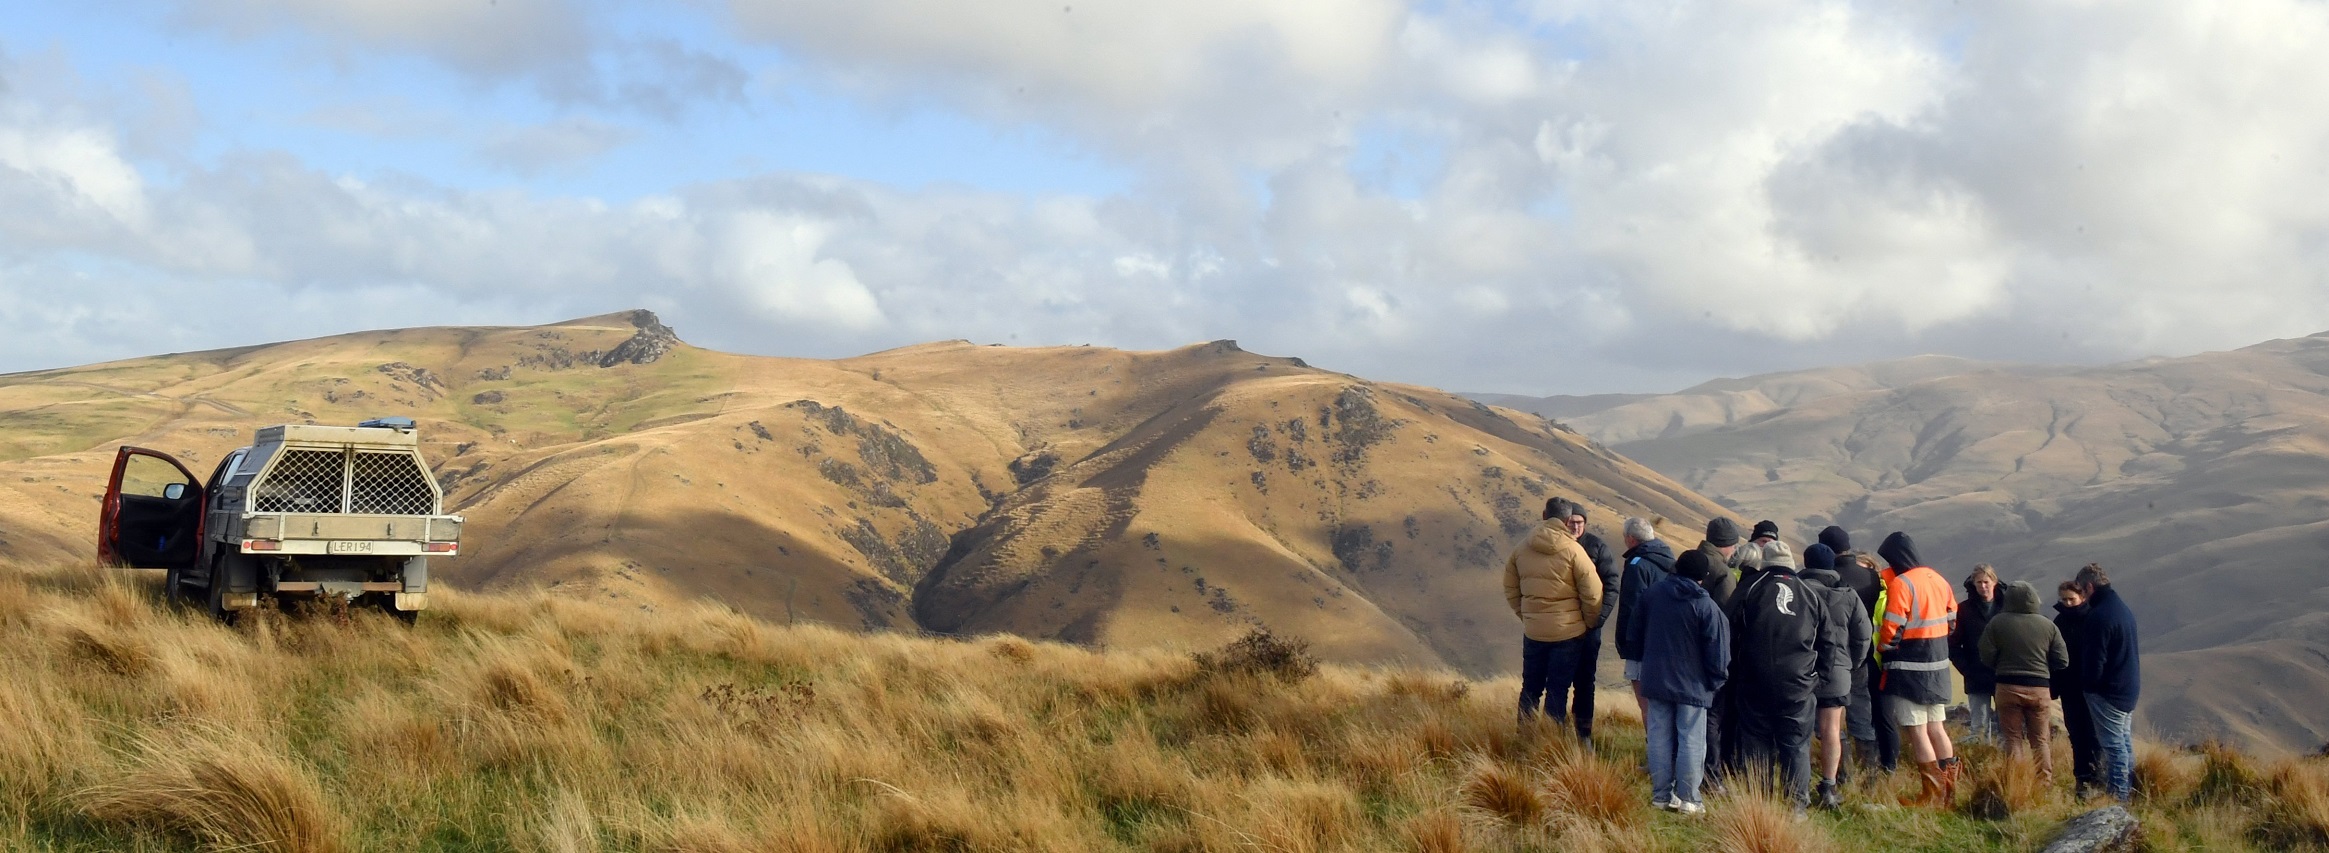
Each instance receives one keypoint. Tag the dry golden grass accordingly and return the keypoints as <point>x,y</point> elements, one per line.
<point>2162,776</point>
<point>1751,821</point>
<point>1589,788</point>
<point>1503,792</point>
<point>1999,788</point>
<point>547,725</point>
<point>220,787</point>
<point>2227,776</point>
<point>2296,807</point>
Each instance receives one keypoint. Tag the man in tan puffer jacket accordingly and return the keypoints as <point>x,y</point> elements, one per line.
<point>1553,588</point>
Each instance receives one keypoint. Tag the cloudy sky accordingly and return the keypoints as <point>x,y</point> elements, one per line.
<point>1548,197</point>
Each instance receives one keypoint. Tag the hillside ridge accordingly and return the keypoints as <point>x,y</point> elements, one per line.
<point>1068,492</point>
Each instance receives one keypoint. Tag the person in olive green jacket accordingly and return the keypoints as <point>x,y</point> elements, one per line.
<point>2025,649</point>
<point>1554,589</point>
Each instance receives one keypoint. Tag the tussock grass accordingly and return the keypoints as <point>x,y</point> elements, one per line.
<point>2296,810</point>
<point>2001,788</point>
<point>2161,776</point>
<point>534,723</point>
<point>1759,823</point>
<point>1503,792</point>
<point>220,787</point>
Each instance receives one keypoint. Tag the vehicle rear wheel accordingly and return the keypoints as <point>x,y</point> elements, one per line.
<point>215,597</point>
<point>172,589</point>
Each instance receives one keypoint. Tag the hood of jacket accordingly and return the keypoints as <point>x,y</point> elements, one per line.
<point>1654,546</point>
<point>1836,539</point>
<point>1548,538</point>
<point>2021,597</point>
<point>1900,552</point>
<point>1823,576</point>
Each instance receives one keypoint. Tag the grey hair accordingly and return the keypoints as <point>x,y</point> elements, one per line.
<point>1748,556</point>
<point>1640,529</point>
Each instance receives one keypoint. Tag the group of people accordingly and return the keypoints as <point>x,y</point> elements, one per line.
<point>1746,661</point>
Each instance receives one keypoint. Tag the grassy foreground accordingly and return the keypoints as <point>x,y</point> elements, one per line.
<point>540,724</point>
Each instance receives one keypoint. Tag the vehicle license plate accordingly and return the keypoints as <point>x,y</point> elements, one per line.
<point>350,548</point>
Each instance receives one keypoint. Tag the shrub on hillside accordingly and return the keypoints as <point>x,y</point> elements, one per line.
<point>1261,652</point>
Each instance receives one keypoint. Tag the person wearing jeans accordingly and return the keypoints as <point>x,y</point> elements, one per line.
<point>2109,664</point>
<point>1685,659</point>
<point>2114,730</point>
<point>1555,591</point>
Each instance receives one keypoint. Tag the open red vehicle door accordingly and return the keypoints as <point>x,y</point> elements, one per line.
<point>152,517</point>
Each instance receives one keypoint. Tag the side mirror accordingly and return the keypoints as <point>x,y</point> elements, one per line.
<point>174,491</point>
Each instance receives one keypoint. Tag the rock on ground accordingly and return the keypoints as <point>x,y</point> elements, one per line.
<point>2105,830</point>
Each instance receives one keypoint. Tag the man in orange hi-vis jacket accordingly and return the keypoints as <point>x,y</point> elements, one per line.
<point>1920,608</point>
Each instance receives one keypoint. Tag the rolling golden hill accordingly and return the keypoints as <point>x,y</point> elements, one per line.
<point>1105,497</point>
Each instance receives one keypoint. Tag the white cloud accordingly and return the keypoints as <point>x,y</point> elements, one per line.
<point>777,262</point>
<point>1645,192</point>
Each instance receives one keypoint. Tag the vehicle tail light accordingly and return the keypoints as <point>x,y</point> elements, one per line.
<point>262,545</point>
<point>441,547</point>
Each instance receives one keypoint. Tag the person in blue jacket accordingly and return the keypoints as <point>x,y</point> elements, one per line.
<point>1686,656</point>
<point>2110,673</point>
<point>1648,560</point>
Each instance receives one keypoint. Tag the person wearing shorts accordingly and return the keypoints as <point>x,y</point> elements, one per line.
<point>1920,608</point>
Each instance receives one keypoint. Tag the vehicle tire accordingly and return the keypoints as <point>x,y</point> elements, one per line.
<point>173,592</point>
<point>215,596</point>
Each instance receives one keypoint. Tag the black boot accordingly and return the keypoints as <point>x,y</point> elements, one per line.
<point>1830,795</point>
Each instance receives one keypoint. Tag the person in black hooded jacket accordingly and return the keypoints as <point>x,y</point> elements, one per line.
<point>1780,644</point>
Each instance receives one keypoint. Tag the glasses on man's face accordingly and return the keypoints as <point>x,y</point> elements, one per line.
<point>1576,522</point>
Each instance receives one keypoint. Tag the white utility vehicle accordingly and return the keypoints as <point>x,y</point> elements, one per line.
<point>306,510</point>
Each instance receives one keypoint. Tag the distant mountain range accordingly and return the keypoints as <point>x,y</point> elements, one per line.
<point>1116,498</point>
<point>2200,483</point>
